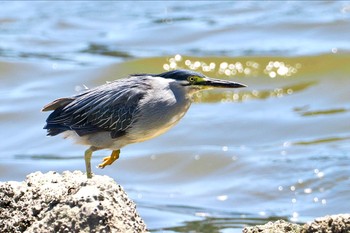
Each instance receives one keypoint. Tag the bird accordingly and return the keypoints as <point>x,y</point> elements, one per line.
<point>128,110</point>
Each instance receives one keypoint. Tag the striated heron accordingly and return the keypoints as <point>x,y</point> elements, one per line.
<point>126,111</point>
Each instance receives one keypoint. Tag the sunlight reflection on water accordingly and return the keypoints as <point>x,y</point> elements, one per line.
<point>277,149</point>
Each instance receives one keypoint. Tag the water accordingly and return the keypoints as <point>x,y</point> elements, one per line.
<point>277,149</point>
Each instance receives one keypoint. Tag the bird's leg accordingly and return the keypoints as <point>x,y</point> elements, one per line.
<point>88,154</point>
<point>110,159</point>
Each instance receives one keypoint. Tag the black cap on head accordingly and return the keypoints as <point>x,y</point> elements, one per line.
<point>180,74</point>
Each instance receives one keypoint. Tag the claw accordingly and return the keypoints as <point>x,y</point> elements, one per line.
<point>109,159</point>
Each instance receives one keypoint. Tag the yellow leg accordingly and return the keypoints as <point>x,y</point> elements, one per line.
<point>110,159</point>
<point>88,154</point>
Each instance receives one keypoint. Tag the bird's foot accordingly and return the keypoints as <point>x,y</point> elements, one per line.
<point>109,159</point>
<point>106,161</point>
<point>89,175</point>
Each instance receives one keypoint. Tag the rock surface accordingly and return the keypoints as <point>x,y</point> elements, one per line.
<point>67,202</point>
<point>70,202</point>
<point>329,224</point>
<point>279,226</point>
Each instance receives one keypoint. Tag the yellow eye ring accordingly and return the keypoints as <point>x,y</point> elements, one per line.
<point>191,79</point>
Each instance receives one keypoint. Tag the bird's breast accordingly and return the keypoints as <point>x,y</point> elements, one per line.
<point>160,110</point>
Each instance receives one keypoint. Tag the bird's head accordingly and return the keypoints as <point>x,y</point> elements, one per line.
<point>198,81</point>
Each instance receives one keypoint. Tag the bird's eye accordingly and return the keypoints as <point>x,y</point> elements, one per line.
<point>191,79</point>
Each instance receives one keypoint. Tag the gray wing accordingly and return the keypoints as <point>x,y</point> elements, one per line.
<point>111,107</point>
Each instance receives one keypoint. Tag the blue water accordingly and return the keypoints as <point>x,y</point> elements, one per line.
<point>277,149</point>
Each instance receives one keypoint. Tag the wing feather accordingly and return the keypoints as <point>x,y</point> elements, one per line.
<point>111,107</point>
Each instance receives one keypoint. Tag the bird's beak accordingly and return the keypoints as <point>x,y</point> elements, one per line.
<point>212,82</point>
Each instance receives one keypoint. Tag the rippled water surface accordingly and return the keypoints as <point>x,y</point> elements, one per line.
<point>277,149</point>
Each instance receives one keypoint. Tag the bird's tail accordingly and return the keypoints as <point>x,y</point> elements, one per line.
<point>53,131</point>
<point>56,106</point>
